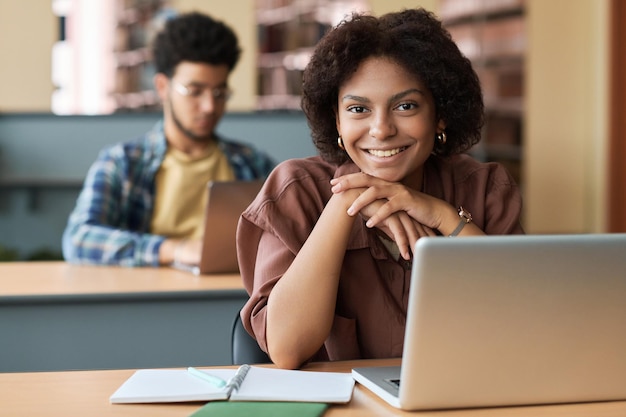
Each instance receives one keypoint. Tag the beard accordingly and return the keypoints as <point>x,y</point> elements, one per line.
<point>188,132</point>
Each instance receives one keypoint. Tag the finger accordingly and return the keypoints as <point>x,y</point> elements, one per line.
<point>384,211</point>
<point>356,180</point>
<point>369,196</point>
<point>397,198</point>
<point>393,203</point>
<point>429,231</point>
<point>423,232</point>
<point>413,233</point>
<point>399,235</point>
<point>411,229</point>
<point>394,197</point>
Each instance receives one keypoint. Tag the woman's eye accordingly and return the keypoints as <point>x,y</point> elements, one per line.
<point>356,109</point>
<point>407,106</point>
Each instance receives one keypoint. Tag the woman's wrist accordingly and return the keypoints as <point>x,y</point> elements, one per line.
<point>464,218</point>
<point>343,201</point>
<point>456,218</point>
<point>449,220</point>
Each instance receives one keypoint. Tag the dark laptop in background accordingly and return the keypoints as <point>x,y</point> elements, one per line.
<point>511,320</point>
<point>226,201</point>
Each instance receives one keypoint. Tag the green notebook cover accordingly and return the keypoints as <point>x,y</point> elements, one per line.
<point>260,409</point>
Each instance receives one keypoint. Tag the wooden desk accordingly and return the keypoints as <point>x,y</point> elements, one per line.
<point>86,393</point>
<point>57,316</point>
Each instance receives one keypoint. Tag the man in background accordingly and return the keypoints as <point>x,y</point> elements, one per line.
<point>143,201</point>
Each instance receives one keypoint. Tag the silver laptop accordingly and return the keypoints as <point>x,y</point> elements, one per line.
<point>511,320</point>
<point>226,201</point>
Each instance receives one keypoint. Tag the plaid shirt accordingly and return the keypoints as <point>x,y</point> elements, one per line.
<point>110,224</point>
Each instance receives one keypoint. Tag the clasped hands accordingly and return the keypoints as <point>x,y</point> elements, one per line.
<point>402,213</point>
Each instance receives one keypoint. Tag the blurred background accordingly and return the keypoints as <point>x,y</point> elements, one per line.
<point>77,75</point>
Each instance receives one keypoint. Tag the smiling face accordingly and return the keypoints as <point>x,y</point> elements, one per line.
<point>386,118</point>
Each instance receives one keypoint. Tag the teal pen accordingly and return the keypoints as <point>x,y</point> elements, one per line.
<point>218,382</point>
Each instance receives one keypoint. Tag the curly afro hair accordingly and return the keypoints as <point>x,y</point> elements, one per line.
<point>416,40</point>
<point>195,37</point>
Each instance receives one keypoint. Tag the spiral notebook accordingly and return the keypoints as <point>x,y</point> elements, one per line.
<point>247,383</point>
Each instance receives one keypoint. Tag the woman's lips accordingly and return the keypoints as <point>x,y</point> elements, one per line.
<point>387,152</point>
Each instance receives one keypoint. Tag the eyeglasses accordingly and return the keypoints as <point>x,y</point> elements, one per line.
<point>220,94</point>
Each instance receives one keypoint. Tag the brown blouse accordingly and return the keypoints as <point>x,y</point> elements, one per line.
<point>373,289</point>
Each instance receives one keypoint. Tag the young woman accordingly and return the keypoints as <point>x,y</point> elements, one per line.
<point>325,249</point>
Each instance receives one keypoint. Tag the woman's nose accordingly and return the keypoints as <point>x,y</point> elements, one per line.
<point>382,127</point>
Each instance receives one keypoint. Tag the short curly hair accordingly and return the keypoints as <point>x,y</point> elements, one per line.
<point>194,37</point>
<point>416,40</point>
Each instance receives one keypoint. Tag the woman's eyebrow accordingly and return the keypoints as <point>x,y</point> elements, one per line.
<point>355,98</point>
<point>405,93</point>
<point>395,97</point>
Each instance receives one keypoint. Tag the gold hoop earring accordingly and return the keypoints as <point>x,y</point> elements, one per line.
<point>442,138</point>
<point>340,143</point>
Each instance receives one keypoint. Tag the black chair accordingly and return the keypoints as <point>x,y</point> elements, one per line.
<point>244,348</point>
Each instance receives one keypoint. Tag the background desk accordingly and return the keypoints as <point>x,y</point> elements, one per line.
<point>56,316</point>
<point>86,393</point>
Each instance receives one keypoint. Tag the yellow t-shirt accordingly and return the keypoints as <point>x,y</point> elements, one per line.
<point>181,190</point>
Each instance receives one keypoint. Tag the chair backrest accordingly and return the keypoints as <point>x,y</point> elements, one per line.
<point>244,348</point>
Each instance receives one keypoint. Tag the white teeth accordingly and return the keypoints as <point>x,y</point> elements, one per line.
<point>387,153</point>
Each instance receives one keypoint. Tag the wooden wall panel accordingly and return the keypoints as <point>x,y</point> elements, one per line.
<point>617,146</point>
